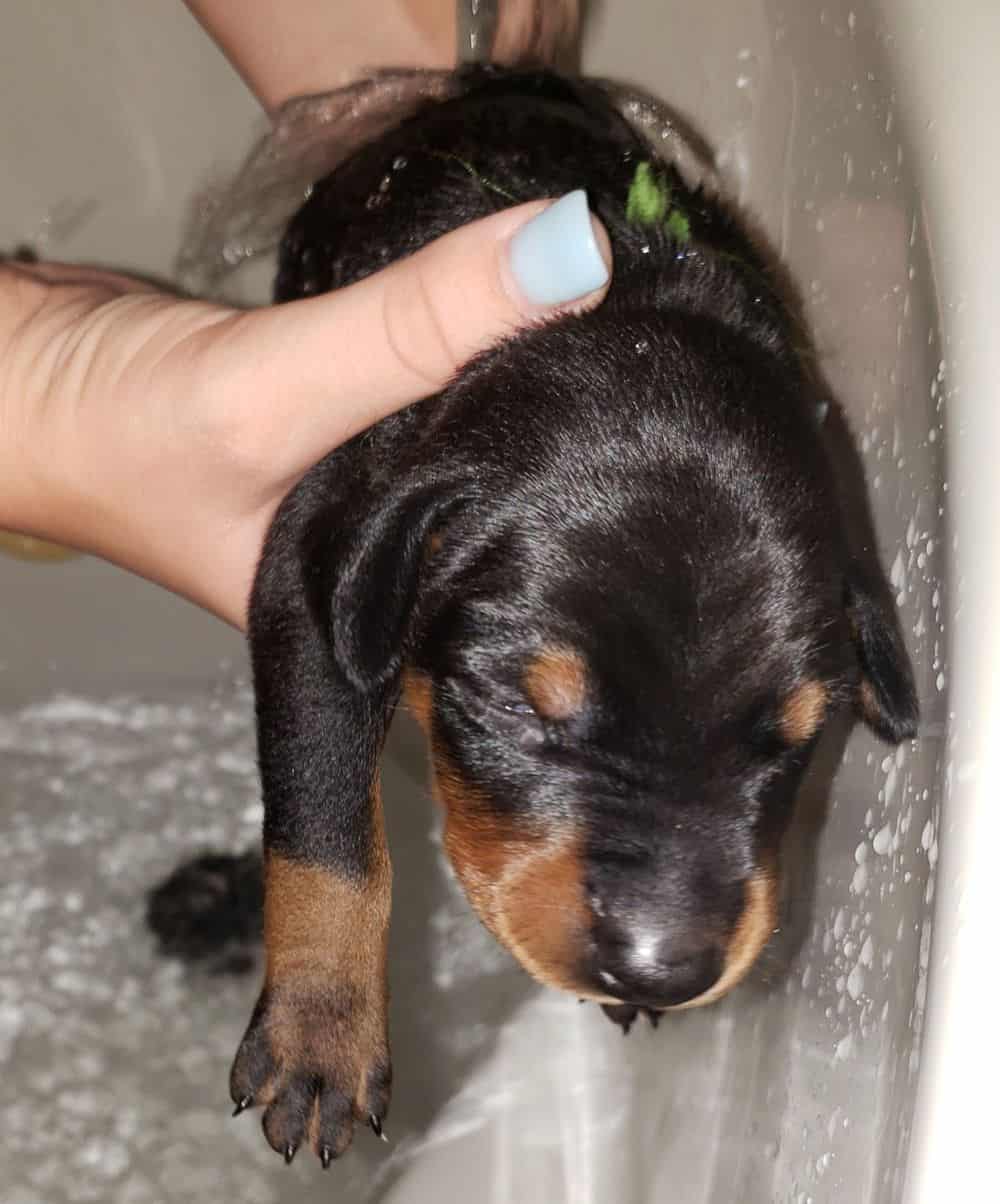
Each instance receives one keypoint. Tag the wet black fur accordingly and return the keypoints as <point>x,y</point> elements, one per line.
<point>650,484</point>
<point>647,483</point>
<point>211,910</point>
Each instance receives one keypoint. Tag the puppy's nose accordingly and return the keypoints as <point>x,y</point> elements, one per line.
<point>654,969</point>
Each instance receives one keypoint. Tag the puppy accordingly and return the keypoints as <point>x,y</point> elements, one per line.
<point>610,568</point>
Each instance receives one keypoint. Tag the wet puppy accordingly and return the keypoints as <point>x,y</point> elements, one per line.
<point>610,569</point>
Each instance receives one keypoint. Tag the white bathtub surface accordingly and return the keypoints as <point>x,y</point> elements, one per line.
<point>945,59</point>
<point>126,743</point>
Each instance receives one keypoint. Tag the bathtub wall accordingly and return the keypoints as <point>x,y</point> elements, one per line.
<point>800,1087</point>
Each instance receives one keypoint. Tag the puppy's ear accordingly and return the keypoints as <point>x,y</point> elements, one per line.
<point>379,561</point>
<point>887,696</point>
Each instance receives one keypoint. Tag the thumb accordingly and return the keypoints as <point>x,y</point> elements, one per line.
<point>335,364</point>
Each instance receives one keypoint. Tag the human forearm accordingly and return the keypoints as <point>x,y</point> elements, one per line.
<point>285,48</point>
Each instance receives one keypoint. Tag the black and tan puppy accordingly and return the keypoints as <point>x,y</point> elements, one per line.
<point>610,568</point>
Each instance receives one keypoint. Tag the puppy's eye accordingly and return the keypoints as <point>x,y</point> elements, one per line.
<point>515,715</point>
<point>507,710</point>
<point>517,720</point>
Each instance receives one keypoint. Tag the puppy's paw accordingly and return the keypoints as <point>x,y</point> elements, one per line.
<point>210,908</point>
<point>625,1015</point>
<point>316,1059</point>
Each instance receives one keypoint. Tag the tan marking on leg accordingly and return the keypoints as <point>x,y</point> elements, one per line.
<point>314,917</point>
<point>418,695</point>
<point>312,1128</point>
<point>266,1094</point>
<point>326,938</point>
<point>751,934</point>
<point>556,682</point>
<point>802,712</point>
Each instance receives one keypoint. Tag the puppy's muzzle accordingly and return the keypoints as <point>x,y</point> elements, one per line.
<point>655,952</point>
<point>653,966</point>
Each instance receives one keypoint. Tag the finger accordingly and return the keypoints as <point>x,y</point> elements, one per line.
<point>338,363</point>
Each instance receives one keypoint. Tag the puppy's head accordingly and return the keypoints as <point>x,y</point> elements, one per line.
<point>624,612</point>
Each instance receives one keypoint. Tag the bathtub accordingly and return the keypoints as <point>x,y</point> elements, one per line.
<point>855,1064</point>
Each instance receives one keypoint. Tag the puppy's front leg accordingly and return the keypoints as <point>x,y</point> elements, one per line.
<point>316,1053</point>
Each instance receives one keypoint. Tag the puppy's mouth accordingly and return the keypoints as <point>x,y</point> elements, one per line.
<point>662,986</point>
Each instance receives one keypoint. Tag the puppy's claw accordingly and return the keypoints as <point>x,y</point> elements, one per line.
<point>242,1105</point>
<point>376,1125</point>
<point>290,1153</point>
<point>622,1014</point>
<point>326,1157</point>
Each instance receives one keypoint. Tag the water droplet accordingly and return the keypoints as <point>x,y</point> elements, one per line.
<point>399,163</point>
<point>845,1047</point>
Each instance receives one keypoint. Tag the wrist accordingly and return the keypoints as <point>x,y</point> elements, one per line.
<point>113,438</point>
<point>51,320</point>
<point>24,500</point>
<point>297,47</point>
<point>79,351</point>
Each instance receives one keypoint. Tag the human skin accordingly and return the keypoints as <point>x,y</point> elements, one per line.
<point>162,433</point>
<point>302,46</point>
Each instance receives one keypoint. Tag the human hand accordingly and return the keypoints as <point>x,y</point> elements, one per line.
<point>294,47</point>
<point>162,433</point>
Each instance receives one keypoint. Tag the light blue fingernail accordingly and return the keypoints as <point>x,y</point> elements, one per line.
<point>555,256</point>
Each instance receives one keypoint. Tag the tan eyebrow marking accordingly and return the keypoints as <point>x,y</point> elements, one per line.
<point>556,682</point>
<point>802,712</point>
